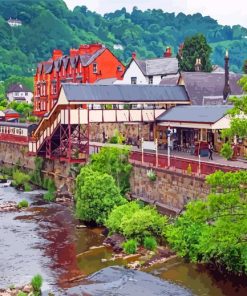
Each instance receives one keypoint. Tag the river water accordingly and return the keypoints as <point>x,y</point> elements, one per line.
<point>44,239</point>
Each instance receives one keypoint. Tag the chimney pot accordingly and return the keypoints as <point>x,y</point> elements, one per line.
<point>168,52</point>
<point>57,53</point>
<point>133,55</point>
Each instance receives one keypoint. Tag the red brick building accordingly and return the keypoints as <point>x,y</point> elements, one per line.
<point>88,64</point>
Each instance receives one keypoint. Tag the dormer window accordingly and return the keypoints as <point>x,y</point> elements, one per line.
<point>95,68</point>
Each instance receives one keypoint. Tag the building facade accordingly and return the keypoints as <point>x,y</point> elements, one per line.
<point>19,93</point>
<point>88,64</point>
<point>150,71</point>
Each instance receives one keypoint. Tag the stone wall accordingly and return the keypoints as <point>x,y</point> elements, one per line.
<point>171,190</point>
<point>16,154</point>
<point>128,130</point>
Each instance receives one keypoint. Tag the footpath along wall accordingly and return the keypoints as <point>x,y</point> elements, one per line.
<point>171,190</point>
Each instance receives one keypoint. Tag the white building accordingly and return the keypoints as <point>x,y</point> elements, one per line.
<point>18,92</point>
<point>150,71</point>
<point>14,22</point>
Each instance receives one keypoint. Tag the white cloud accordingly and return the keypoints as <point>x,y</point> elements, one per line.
<point>227,12</point>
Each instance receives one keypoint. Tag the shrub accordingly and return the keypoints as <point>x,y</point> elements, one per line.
<point>150,243</point>
<point>37,282</point>
<point>130,246</point>
<point>51,187</point>
<point>151,175</point>
<point>23,204</point>
<point>20,293</point>
<point>27,187</point>
<point>226,151</point>
<point>36,175</point>
<point>96,195</point>
<point>115,162</point>
<point>117,138</point>
<point>214,230</point>
<point>137,222</point>
<point>20,178</point>
<point>49,196</point>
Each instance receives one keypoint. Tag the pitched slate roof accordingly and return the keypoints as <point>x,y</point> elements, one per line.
<point>18,87</point>
<point>199,114</point>
<point>170,80</point>
<point>160,66</point>
<point>124,93</point>
<point>201,84</point>
<point>85,59</point>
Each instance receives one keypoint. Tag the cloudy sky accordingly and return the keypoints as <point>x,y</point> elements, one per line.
<point>227,12</point>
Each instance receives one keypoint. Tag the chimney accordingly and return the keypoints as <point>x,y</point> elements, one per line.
<point>198,65</point>
<point>134,55</point>
<point>57,53</point>
<point>227,89</point>
<point>168,52</point>
<point>89,48</point>
<point>73,52</point>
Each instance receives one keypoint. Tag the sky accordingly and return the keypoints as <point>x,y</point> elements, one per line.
<point>226,12</point>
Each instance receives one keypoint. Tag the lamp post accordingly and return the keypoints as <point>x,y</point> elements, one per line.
<point>168,146</point>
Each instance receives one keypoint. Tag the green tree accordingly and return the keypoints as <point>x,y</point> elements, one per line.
<point>245,67</point>
<point>115,162</point>
<point>135,221</point>
<point>195,47</point>
<point>96,195</point>
<point>215,230</point>
<point>238,113</point>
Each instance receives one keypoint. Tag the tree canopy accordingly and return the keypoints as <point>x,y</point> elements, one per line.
<point>195,47</point>
<point>50,24</point>
<point>215,230</point>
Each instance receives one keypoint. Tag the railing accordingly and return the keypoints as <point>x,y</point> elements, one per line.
<point>179,163</point>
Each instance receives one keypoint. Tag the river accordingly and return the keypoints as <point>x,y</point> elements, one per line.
<point>44,239</point>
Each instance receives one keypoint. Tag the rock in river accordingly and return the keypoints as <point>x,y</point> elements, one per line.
<point>118,281</point>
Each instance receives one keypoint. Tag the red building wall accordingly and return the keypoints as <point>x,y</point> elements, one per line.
<point>94,62</point>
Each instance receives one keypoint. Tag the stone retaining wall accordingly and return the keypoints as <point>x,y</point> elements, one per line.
<point>171,190</point>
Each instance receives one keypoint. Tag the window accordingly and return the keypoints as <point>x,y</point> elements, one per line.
<point>119,68</point>
<point>95,68</point>
<point>133,80</point>
<point>150,80</point>
<point>16,94</point>
<point>26,93</point>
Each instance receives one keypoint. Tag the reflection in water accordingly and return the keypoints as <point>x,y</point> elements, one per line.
<point>44,239</point>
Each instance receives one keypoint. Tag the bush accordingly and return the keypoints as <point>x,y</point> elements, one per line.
<point>37,282</point>
<point>117,138</point>
<point>130,246</point>
<point>49,184</point>
<point>20,293</point>
<point>226,151</point>
<point>137,222</point>
<point>27,187</point>
<point>214,230</point>
<point>96,195</point>
<point>23,204</point>
<point>115,162</point>
<point>20,178</point>
<point>150,243</point>
<point>49,196</point>
<point>151,175</point>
